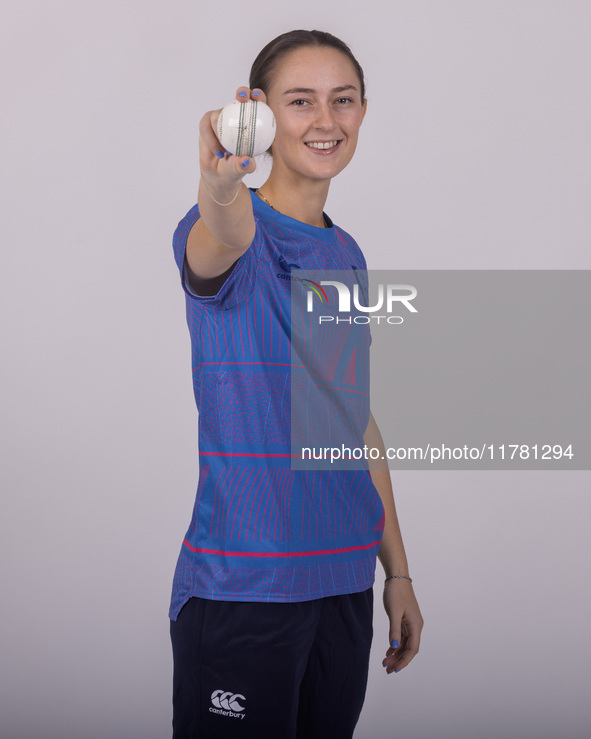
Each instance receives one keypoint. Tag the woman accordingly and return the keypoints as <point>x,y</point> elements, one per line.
<point>271,612</point>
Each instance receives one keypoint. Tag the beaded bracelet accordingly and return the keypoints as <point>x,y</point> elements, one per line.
<point>402,577</point>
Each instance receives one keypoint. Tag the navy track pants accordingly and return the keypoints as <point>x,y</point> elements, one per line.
<point>251,670</point>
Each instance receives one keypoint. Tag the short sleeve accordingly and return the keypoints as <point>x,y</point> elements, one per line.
<point>239,283</point>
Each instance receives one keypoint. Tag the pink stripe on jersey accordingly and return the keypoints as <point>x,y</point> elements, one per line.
<point>246,454</point>
<point>203,550</point>
<point>269,364</point>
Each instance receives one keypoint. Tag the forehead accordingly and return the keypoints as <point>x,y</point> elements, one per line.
<point>314,67</point>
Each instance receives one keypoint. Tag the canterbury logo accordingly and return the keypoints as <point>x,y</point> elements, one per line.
<point>285,265</point>
<point>227,700</point>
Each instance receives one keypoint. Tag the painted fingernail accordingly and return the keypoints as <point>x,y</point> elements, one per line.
<point>256,93</point>
<point>242,94</point>
<point>397,670</point>
<point>229,153</point>
<point>219,154</point>
<point>246,162</point>
<point>395,644</point>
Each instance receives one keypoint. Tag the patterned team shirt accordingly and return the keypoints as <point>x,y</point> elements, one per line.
<point>261,531</point>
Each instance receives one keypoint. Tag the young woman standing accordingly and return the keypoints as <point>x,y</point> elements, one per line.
<point>272,604</point>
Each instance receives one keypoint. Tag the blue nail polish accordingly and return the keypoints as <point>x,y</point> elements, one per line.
<point>397,670</point>
<point>242,94</point>
<point>246,162</point>
<point>229,153</point>
<point>219,154</point>
<point>395,644</point>
<point>256,93</point>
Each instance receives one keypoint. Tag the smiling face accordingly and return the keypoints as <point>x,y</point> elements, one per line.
<point>315,96</point>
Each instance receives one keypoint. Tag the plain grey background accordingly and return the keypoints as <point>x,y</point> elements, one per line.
<point>474,154</point>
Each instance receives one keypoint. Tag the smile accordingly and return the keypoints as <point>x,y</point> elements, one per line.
<point>323,145</point>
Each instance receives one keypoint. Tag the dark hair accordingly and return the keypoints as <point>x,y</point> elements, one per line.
<point>264,65</point>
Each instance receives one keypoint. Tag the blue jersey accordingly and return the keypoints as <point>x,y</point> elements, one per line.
<point>261,531</point>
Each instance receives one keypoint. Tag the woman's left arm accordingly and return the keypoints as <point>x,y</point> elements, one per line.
<point>401,605</point>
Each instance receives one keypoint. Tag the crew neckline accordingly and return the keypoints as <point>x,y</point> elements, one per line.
<point>292,224</point>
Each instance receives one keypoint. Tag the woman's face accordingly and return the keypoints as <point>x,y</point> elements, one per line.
<point>316,98</point>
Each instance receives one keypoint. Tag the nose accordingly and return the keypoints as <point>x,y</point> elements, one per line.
<point>324,118</point>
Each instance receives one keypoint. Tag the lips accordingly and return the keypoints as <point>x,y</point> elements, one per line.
<point>323,146</point>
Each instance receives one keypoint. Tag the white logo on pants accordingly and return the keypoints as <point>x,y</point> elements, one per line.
<point>227,703</point>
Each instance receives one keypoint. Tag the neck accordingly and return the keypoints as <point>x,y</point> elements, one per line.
<point>298,198</point>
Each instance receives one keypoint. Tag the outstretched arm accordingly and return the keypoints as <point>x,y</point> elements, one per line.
<point>400,602</point>
<point>226,227</point>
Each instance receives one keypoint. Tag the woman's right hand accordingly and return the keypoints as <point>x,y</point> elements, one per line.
<point>220,169</point>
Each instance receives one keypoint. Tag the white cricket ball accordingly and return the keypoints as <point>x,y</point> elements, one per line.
<point>246,129</point>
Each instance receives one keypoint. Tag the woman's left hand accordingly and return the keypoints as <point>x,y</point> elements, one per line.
<point>406,624</point>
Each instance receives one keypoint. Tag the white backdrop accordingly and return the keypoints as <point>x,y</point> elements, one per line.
<point>475,153</point>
